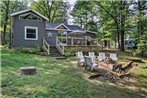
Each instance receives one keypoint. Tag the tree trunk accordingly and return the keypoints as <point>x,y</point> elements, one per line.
<point>6,20</point>
<point>140,22</point>
<point>118,37</point>
<point>86,22</point>
<point>122,24</point>
<point>4,34</point>
<point>10,35</point>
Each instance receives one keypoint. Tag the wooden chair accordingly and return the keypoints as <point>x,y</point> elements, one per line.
<point>80,58</point>
<point>92,55</point>
<point>113,57</point>
<point>101,56</point>
<point>89,64</point>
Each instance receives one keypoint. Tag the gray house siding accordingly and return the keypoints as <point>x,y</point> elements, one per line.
<point>51,40</point>
<point>43,30</point>
<point>19,32</point>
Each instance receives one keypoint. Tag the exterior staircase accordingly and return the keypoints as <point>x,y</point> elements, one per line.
<point>54,52</point>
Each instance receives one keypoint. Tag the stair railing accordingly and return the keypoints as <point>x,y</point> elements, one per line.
<point>59,46</point>
<point>46,46</point>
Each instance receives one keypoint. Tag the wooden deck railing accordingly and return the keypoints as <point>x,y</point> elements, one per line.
<point>76,41</point>
<point>46,46</point>
<point>59,46</point>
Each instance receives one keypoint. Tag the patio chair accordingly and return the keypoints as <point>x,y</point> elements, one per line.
<point>80,58</point>
<point>92,55</point>
<point>113,57</point>
<point>101,56</point>
<point>89,63</point>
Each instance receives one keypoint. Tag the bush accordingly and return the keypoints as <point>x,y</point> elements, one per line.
<point>69,53</point>
<point>141,46</point>
<point>32,50</point>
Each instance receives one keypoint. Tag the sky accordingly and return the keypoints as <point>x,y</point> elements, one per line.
<point>71,1</point>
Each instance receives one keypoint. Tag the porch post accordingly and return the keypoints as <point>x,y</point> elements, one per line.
<point>56,40</point>
<point>72,41</point>
<point>85,41</point>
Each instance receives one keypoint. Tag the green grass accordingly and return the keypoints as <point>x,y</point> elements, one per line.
<point>59,79</point>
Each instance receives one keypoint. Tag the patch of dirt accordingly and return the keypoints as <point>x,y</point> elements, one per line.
<point>103,75</point>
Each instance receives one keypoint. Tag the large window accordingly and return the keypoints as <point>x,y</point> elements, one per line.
<point>31,33</point>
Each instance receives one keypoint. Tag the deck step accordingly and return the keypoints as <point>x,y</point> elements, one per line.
<point>55,53</point>
<point>62,57</point>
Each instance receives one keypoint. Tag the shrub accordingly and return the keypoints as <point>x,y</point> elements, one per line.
<point>32,50</point>
<point>141,46</point>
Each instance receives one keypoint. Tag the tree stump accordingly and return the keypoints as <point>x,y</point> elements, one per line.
<point>28,70</point>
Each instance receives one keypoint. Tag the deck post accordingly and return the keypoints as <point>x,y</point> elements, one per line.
<point>56,40</point>
<point>48,49</point>
<point>72,41</point>
<point>85,42</point>
<point>43,42</point>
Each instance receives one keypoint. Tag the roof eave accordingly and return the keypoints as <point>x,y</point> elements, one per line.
<point>20,12</point>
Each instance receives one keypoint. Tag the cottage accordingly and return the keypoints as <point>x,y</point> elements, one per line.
<point>31,29</point>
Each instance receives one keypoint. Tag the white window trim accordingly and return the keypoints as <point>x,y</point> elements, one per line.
<point>30,19</point>
<point>30,27</point>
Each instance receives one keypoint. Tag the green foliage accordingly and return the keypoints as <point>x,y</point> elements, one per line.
<point>13,6</point>
<point>142,45</point>
<point>69,53</point>
<point>32,50</point>
<point>54,10</point>
<point>59,78</point>
<point>84,12</point>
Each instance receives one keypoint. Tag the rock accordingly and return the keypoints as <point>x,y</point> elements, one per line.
<point>28,70</point>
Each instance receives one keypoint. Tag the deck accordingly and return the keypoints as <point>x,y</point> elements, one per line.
<point>74,44</point>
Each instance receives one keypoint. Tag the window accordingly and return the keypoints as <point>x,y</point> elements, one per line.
<point>30,16</point>
<point>31,33</point>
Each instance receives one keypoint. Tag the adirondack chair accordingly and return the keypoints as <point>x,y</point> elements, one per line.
<point>101,56</point>
<point>80,58</point>
<point>92,55</point>
<point>113,57</point>
<point>89,63</point>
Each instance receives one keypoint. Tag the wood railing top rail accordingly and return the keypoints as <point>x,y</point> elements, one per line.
<point>46,48</point>
<point>59,46</point>
<point>45,41</point>
<point>76,38</point>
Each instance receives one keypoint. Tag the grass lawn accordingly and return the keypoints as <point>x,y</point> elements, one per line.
<point>62,79</point>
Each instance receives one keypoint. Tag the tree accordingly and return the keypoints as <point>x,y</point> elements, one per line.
<point>6,10</point>
<point>117,11</point>
<point>7,7</point>
<point>141,23</point>
<point>55,11</point>
<point>84,13</point>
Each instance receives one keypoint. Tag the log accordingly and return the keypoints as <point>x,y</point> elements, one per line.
<point>28,70</point>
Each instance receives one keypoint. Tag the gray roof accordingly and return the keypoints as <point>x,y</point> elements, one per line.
<point>52,25</point>
<point>74,27</point>
<point>70,27</point>
<point>28,10</point>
